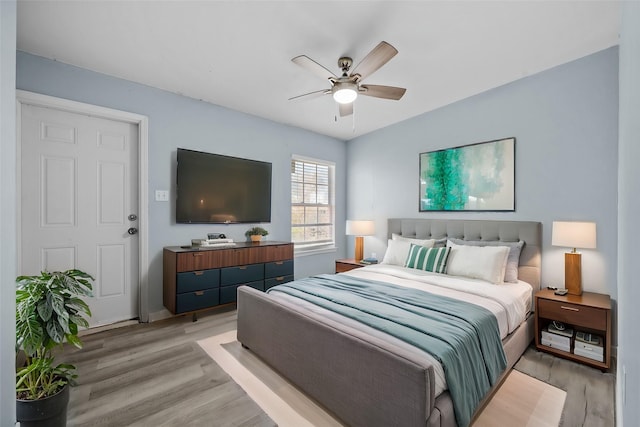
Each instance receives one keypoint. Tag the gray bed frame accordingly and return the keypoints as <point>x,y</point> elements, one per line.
<point>362,380</point>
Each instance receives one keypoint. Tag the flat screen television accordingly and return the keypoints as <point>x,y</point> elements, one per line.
<point>217,189</point>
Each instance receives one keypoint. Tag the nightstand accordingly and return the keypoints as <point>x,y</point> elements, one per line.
<point>347,264</point>
<point>589,312</point>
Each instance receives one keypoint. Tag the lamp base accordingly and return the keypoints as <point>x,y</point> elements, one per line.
<point>573,273</point>
<point>359,248</point>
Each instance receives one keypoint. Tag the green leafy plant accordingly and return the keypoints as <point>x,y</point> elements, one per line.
<point>48,313</point>
<point>256,231</point>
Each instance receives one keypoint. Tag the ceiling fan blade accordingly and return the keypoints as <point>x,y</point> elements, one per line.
<point>310,95</point>
<point>346,109</point>
<point>311,65</point>
<point>379,56</point>
<point>386,92</point>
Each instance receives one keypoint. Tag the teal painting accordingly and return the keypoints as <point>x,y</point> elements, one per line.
<point>477,177</point>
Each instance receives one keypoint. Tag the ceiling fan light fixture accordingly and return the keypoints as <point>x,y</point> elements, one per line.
<point>345,93</point>
<point>346,88</point>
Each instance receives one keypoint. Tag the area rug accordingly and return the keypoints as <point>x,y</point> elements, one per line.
<point>520,401</point>
<point>590,393</point>
<point>523,401</point>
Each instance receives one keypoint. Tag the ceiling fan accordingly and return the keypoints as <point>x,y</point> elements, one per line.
<point>346,88</point>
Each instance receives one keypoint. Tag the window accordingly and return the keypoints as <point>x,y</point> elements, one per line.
<point>312,204</point>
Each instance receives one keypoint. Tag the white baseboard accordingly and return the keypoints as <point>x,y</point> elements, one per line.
<point>110,326</point>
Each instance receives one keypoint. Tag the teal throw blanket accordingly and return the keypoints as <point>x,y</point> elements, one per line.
<point>462,336</point>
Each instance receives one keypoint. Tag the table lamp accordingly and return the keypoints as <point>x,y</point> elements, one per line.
<point>573,235</point>
<point>359,229</point>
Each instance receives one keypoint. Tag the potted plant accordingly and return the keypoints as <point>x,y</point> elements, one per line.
<point>48,313</point>
<point>256,233</point>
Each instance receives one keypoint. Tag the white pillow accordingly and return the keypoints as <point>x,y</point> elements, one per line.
<point>427,243</point>
<point>513,260</point>
<point>478,262</point>
<point>397,251</point>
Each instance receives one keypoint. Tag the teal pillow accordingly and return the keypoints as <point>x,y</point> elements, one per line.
<point>427,259</point>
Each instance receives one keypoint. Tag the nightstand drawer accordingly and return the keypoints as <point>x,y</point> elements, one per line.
<point>575,314</point>
<point>343,265</point>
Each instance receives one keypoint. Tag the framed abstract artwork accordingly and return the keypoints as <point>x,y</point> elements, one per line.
<point>476,177</point>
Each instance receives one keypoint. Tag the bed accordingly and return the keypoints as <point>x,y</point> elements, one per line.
<point>364,376</point>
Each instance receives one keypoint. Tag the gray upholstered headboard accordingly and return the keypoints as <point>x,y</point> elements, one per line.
<point>506,231</point>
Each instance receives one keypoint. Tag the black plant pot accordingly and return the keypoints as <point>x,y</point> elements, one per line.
<point>47,412</point>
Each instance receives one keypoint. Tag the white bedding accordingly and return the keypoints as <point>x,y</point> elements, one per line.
<point>509,302</point>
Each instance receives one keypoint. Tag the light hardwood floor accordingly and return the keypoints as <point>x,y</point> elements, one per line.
<point>157,375</point>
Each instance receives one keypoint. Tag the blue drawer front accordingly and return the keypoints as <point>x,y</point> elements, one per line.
<point>278,268</point>
<point>198,300</point>
<point>197,280</point>
<point>270,283</point>
<point>229,293</point>
<point>242,274</point>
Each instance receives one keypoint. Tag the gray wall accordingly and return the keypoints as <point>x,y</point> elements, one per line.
<point>177,121</point>
<point>565,124</point>
<point>628,384</point>
<point>7,211</point>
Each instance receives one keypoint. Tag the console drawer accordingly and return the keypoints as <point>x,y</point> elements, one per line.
<point>230,293</point>
<point>197,280</point>
<point>271,282</point>
<point>199,260</point>
<point>197,300</point>
<point>574,314</point>
<point>241,274</point>
<point>278,268</point>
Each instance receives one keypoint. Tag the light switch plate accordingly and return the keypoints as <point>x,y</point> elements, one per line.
<point>162,196</point>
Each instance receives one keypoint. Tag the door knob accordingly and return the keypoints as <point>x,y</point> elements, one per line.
<point>132,231</point>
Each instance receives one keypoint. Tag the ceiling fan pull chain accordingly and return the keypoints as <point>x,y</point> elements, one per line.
<point>353,120</point>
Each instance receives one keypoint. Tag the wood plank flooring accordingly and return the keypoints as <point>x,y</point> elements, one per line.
<point>157,375</point>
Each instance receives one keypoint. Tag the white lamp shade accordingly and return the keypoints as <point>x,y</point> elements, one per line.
<point>361,228</point>
<point>572,234</point>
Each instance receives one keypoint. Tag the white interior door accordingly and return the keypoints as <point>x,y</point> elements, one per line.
<point>79,196</point>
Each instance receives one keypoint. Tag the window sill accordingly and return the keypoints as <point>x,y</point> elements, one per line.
<point>313,251</point>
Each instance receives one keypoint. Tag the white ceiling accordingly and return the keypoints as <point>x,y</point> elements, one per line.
<point>237,54</point>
